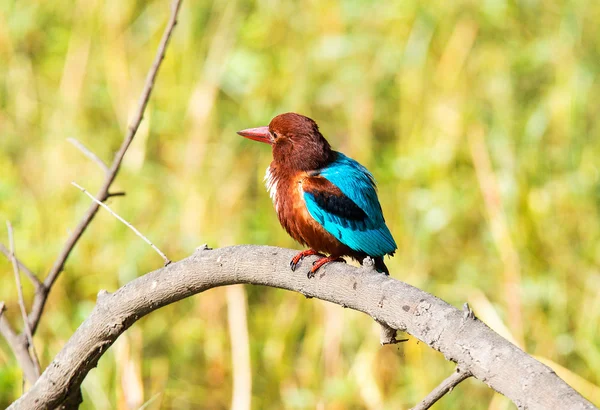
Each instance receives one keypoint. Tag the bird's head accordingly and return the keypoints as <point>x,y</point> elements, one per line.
<point>296,141</point>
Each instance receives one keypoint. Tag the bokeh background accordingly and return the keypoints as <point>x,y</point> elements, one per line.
<point>479,121</point>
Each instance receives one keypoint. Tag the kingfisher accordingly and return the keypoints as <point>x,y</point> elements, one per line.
<point>323,199</point>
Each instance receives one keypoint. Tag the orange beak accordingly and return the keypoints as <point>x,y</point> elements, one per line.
<point>261,134</point>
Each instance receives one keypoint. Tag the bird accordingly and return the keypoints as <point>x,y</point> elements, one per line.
<point>323,199</point>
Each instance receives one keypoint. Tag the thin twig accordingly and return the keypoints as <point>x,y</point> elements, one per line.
<point>42,294</point>
<point>444,387</point>
<point>1,308</point>
<point>89,154</point>
<point>130,226</point>
<point>26,328</point>
<point>32,276</point>
<point>387,335</point>
<point>118,193</point>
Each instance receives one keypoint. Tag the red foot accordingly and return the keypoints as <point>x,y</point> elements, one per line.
<point>322,262</point>
<point>296,259</point>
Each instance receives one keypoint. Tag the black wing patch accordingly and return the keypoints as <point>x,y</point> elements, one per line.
<point>341,206</point>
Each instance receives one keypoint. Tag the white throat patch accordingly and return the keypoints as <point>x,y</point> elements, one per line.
<point>271,183</point>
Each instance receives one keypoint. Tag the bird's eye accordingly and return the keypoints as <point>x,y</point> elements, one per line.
<point>275,136</point>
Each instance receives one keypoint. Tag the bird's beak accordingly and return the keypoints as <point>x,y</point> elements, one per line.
<point>261,134</point>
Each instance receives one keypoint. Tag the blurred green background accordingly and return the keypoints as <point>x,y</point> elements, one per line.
<point>478,119</point>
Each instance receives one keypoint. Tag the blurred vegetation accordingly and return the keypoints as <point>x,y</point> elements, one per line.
<point>478,119</point>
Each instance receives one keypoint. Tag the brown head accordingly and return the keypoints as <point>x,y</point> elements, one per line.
<point>296,141</point>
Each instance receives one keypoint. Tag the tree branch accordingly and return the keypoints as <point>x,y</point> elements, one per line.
<point>111,194</point>
<point>444,387</point>
<point>127,224</point>
<point>26,329</point>
<point>86,151</point>
<point>470,343</point>
<point>32,277</point>
<point>41,294</point>
<point>18,345</point>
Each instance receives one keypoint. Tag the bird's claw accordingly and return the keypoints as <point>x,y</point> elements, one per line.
<point>319,263</point>
<point>316,264</point>
<point>301,255</point>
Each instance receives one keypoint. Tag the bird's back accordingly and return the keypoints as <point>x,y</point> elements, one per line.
<point>350,210</point>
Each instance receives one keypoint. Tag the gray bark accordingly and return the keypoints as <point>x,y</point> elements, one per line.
<point>460,338</point>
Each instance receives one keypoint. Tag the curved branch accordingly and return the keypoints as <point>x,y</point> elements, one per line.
<point>464,340</point>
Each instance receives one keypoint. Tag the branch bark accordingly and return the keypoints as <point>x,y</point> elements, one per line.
<point>18,345</point>
<point>467,341</point>
<point>26,328</point>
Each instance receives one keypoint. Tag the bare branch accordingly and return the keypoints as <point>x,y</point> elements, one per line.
<point>18,344</point>
<point>89,154</point>
<point>32,277</point>
<point>19,347</point>
<point>42,294</point>
<point>118,193</point>
<point>130,226</point>
<point>444,387</point>
<point>471,344</point>
<point>26,328</point>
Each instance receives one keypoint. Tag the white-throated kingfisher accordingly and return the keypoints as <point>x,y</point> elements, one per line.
<point>323,199</point>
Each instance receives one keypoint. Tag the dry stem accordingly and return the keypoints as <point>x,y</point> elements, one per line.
<point>130,226</point>
<point>26,328</point>
<point>89,154</point>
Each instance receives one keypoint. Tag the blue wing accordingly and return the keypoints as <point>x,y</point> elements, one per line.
<point>350,209</point>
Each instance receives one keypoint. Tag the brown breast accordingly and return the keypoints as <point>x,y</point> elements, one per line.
<point>288,197</point>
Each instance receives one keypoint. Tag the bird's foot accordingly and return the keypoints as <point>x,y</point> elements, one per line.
<point>321,262</point>
<point>301,255</point>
